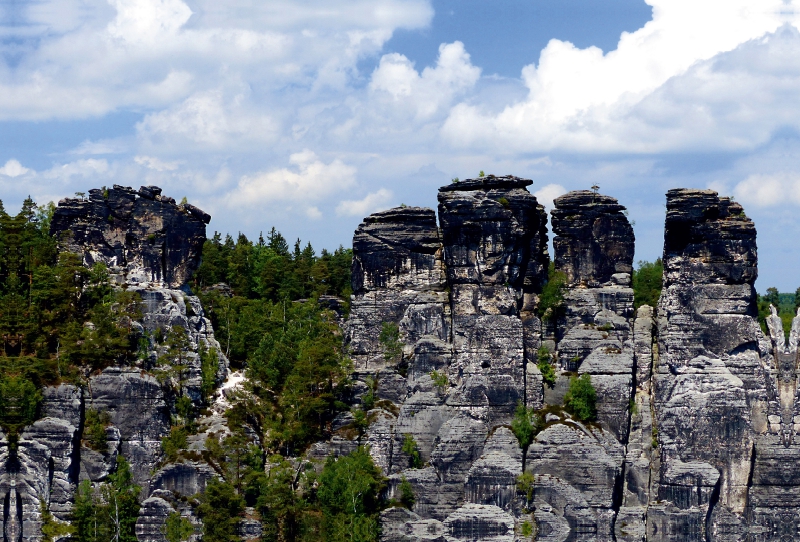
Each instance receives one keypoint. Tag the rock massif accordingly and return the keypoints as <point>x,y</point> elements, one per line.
<point>150,246</point>
<point>453,317</point>
<point>697,409</point>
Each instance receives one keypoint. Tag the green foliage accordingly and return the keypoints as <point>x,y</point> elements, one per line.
<point>209,365</point>
<point>221,508</point>
<point>52,528</point>
<point>411,449</point>
<point>581,398</point>
<point>440,380</point>
<point>284,512</point>
<point>171,364</point>
<point>504,202</point>
<point>481,174</point>
<point>545,366</point>
<point>173,443</point>
<point>454,180</point>
<point>551,301</point>
<point>267,269</point>
<point>368,399</point>
<point>407,497</point>
<point>20,399</point>
<point>57,317</point>
<point>526,485</point>
<point>647,281</point>
<point>526,529</point>
<point>108,512</point>
<point>525,425</point>
<point>177,528</point>
<point>390,341</point>
<point>94,429</point>
<point>349,498</point>
<point>784,303</point>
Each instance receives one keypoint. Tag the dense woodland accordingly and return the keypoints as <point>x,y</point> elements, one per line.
<point>61,322</point>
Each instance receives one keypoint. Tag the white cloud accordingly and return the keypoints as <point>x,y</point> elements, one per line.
<point>434,87</point>
<point>310,180</point>
<point>13,169</point>
<point>82,59</point>
<point>769,190</point>
<point>155,164</point>
<point>313,213</point>
<point>546,194</point>
<point>209,119</point>
<point>583,100</point>
<point>371,203</point>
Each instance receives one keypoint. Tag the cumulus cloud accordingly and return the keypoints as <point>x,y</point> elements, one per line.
<point>88,168</point>
<point>371,203</point>
<point>434,87</point>
<point>546,194</point>
<point>13,169</point>
<point>584,100</point>
<point>310,179</point>
<point>769,190</point>
<point>80,60</point>
<point>210,120</point>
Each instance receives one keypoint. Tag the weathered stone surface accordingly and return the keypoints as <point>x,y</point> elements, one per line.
<point>184,478</point>
<point>479,523</point>
<point>151,239</point>
<point>136,404</point>
<point>593,238</point>
<point>712,383</point>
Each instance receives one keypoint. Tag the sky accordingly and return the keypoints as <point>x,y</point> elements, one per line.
<point>308,115</point>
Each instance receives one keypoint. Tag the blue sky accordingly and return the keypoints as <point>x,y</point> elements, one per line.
<point>309,114</point>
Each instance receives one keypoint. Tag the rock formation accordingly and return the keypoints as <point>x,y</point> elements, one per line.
<point>150,246</point>
<point>698,411</point>
<point>145,234</point>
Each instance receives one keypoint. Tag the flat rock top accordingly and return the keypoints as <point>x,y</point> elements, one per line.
<point>402,215</point>
<point>586,200</point>
<point>487,183</point>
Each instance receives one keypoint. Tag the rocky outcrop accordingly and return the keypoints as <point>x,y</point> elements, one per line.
<point>712,382</point>
<point>145,234</point>
<point>463,300</point>
<point>150,246</point>
<point>593,239</point>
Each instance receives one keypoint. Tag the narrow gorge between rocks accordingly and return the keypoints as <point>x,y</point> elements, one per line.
<point>460,324</point>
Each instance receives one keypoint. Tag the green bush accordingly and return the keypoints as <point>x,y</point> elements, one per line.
<point>545,367</point>
<point>581,398</point>
<point>439,380</point>
<point>390,341</point>
<point>647,282</point>
<point>177,528</point>
<point>407,498</point>
<point>220,509</point>
<point>525,425</point>
<point>349,496</point>
<point>94,429</point>
<point>174,442</point>
<point>551,301</point>
<point>411,449</point>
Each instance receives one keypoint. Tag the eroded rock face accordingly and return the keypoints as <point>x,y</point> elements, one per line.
<point>146,234</point>
<point>713,392</point>
<point>151,246</point>
<point>593,238</point>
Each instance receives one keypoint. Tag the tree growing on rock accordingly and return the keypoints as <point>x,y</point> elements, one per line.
<point>525,425</point>
<point>581,398</point>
